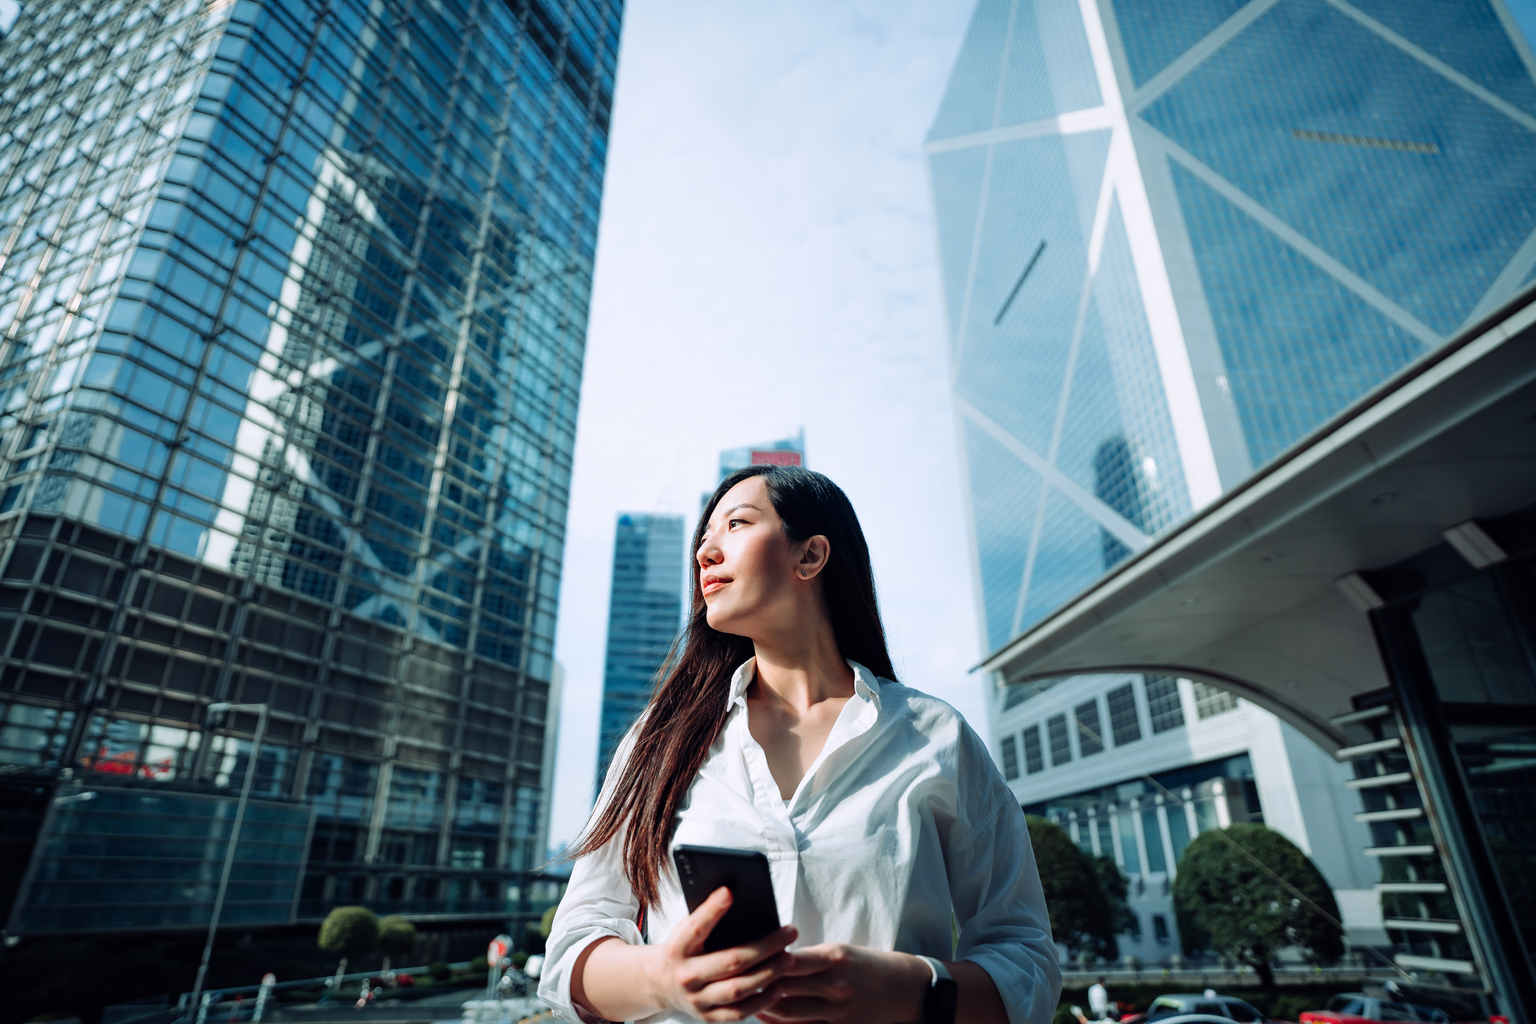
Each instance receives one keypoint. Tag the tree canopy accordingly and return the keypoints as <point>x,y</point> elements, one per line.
<point>1082,916</point>
<point>350,931</point>
<point>1117,890</point>
<point>397,936</point>
<point>1229,903</point>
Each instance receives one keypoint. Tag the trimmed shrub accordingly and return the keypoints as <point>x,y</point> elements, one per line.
<point>397,936</point>
<point>350,931</point>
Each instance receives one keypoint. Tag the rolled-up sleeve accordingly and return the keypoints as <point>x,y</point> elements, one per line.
<point>1000,909</point>
<point>598,902</point>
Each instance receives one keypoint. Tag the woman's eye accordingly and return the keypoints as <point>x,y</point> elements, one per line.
<point>733,522</point>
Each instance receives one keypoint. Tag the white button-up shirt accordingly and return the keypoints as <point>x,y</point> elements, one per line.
<point>902,821</point>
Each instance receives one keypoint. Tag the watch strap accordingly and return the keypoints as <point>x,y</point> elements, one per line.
<point>940,999</point>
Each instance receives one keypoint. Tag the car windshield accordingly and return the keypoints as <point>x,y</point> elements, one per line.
<point>1162,1006</point>
<point>1245,1014</point>
<point>1344,1005</point>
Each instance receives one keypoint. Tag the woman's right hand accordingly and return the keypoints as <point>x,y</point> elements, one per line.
<point>729,984</point>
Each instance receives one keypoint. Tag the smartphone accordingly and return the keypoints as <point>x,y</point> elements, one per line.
<point>753,913</point>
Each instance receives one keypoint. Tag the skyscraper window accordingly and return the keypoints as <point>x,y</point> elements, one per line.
<point>1211,700</point>
<point>1061,745</point>
<point>1163,705</point>
<point>1033,760</point>
<point>1085,717</point>
<point>1123,720</point>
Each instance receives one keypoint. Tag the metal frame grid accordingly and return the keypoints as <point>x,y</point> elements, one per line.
<point>293,298</point>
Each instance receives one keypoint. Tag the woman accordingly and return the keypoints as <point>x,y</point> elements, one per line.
<point>779,727</point>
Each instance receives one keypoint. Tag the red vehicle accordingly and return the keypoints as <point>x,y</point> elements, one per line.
<point>1359,1008</point>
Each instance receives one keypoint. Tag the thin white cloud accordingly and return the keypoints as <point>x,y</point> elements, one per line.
<point>767,262</point>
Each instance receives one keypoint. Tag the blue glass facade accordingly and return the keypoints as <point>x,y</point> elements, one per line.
<point>1175,237</point>
<point>645,612</point>
<point>293,302</point>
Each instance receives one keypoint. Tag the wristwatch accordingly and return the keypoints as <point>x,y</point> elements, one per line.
<point>939,1002</point>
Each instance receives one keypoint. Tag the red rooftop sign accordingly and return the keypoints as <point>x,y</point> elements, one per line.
<point>774,457</point>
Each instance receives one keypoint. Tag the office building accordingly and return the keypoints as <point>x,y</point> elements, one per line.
<point>788,452</point>
<point>1134,767</point>
<point>293,301</point>
<point>1178,240</point>
<point>1395,631</point>
<point>645,612</point>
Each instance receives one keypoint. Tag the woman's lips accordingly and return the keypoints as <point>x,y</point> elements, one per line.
<point>713,583</point>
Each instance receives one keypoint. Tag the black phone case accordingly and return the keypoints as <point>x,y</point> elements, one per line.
<point>753,913</point>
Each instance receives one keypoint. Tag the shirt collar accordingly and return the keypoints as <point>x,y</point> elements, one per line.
<point>866,684</point>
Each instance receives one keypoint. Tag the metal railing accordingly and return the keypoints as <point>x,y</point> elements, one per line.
<point>219,1003</point>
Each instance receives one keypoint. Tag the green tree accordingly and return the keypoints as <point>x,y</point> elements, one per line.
<point>1226,902</point>
<point>1117,889</point>
<point>349,932</point>
<point>397,937</point>
<point>1082,918</point>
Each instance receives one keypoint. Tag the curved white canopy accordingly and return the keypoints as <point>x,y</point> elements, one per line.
<point>1245,593</point>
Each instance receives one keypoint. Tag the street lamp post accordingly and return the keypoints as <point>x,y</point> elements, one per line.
<point>234,836</point>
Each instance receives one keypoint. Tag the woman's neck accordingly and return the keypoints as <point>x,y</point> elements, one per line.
<point>802,671</point>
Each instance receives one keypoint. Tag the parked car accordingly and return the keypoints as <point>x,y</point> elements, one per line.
<point>1164,1008</point>
<point>1359,1008</point>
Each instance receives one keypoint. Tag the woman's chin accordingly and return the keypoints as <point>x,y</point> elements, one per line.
<point>722,621</point>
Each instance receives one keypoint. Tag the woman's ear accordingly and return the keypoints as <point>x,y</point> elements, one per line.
<point>814,558</point>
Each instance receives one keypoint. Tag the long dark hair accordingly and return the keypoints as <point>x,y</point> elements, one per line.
<point>688,706</point>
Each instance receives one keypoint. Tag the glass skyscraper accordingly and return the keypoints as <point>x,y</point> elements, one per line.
<point>293,302</point>
<point>1177,236</point>
<point>645,612</point>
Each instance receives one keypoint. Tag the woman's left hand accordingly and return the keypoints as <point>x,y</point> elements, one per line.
<point>835,982</point>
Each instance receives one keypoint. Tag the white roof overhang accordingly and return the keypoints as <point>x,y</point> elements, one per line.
<point>1243,594</point>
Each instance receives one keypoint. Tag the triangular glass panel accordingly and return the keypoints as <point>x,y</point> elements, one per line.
<point>1005,497</point>
<point>1074,552</point>
<point>1410,181</point>
<point>957,180</point>
<point>1029,273</point>
<point>1298,346</point>
<point>1154,32</point>
<point>1468,36</point>
<point>1117,437</point>
<point>1050,69</point>
<point>970,98</point>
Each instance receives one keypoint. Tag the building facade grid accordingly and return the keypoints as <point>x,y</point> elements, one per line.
<point>293,302</point>
<point>1175,241</point>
